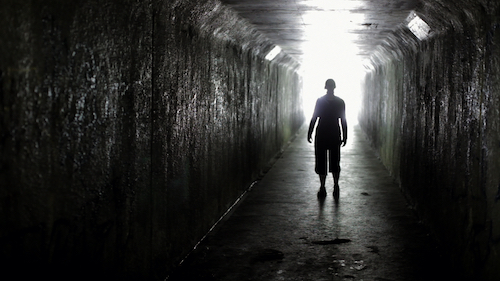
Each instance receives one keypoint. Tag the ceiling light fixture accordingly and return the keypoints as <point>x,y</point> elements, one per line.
<point>273,53</point>
<point>418,26</point>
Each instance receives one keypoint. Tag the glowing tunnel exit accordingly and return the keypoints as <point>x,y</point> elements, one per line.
<point>330,51</point>
<point>348,88</point>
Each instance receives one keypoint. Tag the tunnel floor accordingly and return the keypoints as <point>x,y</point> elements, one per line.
<point>280,230</point>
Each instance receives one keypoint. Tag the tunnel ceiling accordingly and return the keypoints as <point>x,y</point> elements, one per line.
<point>331,28</point>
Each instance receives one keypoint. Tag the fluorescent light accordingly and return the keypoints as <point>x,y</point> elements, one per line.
<point>273,53</point>
<point>418,26</point>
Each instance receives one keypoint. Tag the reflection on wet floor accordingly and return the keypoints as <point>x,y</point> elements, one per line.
<point>282,231</point>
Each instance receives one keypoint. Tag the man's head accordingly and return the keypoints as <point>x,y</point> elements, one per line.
<point>330,84</point>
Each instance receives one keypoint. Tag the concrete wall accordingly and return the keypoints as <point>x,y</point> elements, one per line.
<point>431,110</point>
<point>128,128</point>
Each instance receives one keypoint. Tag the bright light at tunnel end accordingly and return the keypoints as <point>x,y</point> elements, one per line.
<point>330,50</point>
<point>349,88</point>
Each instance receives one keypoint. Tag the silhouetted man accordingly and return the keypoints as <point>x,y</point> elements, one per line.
<point>329,136</point>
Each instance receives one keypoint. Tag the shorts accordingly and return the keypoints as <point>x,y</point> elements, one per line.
<point>333,159</point>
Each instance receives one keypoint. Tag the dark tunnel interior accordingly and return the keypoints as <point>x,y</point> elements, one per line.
<point>128,128</point>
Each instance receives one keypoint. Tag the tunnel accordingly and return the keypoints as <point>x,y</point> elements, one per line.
<point>130,129</point>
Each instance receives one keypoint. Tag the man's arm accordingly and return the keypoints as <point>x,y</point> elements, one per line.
<point>343,122</point>
<point>313,122</point>
<point>344,130</point>
<point>311,128</point>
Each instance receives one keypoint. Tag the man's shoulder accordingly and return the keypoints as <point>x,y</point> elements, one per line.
<point>339,99</point>
<point>326,99</point>
<point>322,99</point>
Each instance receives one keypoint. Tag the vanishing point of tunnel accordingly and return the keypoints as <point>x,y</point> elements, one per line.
<point>163,139</point>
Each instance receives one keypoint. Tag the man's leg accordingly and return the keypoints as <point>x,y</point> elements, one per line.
<point>322,188</point>
<point>336,188</point>
<point>335,169</point>
<point>336,177</point>
<point>322,180</point>
<point>321,169</point>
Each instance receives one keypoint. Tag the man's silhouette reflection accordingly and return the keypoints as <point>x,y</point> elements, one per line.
<point>329,136</point>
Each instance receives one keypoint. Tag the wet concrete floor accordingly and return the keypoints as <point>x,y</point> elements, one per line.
<point>280,230</point>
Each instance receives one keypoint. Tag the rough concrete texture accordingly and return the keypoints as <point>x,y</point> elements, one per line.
<point>282,231</point>
<point>431,111</point>
<point>128,128</point>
